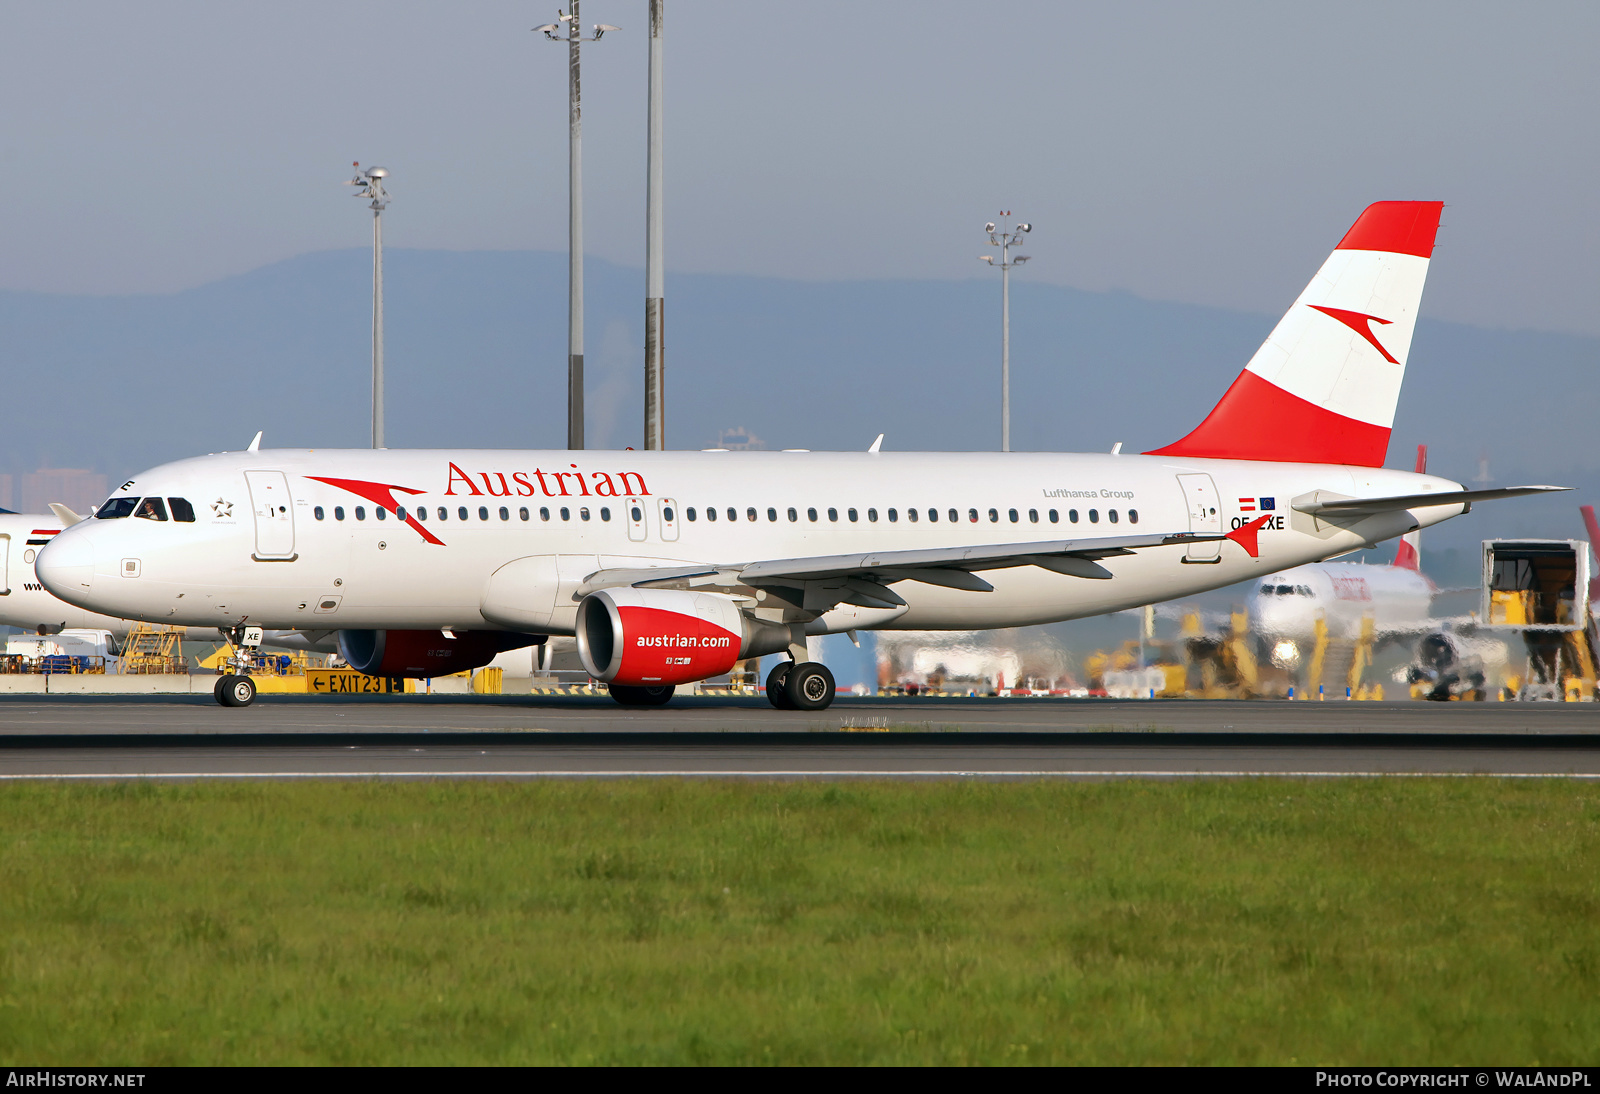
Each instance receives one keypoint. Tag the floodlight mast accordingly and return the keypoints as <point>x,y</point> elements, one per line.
<point>369,184</point>
<point>655,409</point>
<point>1005,239</point>
<point>573,37</point>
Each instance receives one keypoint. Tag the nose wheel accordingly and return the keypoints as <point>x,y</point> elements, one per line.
<point>806,686</point>
<point>235,691</point>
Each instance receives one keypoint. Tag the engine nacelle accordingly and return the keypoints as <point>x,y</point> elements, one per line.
<point>426,653</point>
<point>646,637</point>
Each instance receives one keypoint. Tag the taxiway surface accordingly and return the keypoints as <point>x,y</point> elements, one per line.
<point>522,738</point>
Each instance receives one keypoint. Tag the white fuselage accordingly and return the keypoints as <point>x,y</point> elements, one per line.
<point>1287,604</point>
<point>276,545</point>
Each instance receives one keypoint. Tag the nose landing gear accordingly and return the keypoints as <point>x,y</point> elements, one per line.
<point>806,686</point>
<point>235,691</point>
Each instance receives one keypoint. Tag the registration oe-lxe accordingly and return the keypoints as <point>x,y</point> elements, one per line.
<point>669,567</point>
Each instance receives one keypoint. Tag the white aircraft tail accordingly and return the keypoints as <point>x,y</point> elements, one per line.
<point>1324,385</point>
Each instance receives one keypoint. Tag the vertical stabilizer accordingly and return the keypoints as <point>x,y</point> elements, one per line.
<point>1408,556</point>
<point>1324,385</point>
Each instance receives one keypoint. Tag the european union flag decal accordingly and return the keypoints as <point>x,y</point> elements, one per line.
<point>1268,504</point>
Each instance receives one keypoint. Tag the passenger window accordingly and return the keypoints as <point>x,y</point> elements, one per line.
<point>872,515</point>
<point>183,512</point>
<point>690,514</point>
<point>1072,515</point>
<point>933,514</point>
<point>1133,516</point>
<point>400,513</point>
<point>420,512</point>
<point>1113,515</point>
<point>505,514</point>
<point>461,512</point>
<point>605,513</point>
<point>1094,516</point>
<point>1033,516</point>
<point>994,515</point>
<point>1055,517</point>
<point>361,512</point>
<point>566,514</point>
<point>523,512</point>
<point>338,512</point>
<point>711,513</point>
<point>772,514</point>
<point>954,516</point>
<point>544,512</point>
<point>793,516</point>
<point>972,515</point>
<point>117,507</point>
<point>317,512</point>
<point>733,514</point>
<point>1013,515</point>
<point>381,513</point>
<point>851,513</point>
<point>583,512</point>
<point>750,512</point>
<point>636,514</point>
<point>911,514</point>
<point>444,514</point>
<point>833,515</point>
<point>811,515</point>
<point>894,515</point>
<point>483,512</point>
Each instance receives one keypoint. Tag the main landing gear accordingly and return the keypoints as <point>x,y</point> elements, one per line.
<point>641,697</point>
<point>806,686</point>
<point>235,691</point>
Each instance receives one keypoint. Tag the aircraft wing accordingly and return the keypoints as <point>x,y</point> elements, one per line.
<point>1321,502</point>
<point>864,579</point>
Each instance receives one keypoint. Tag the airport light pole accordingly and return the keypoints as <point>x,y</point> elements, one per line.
<point>1005,239</point>
<point>655,409</point>
<point>370,185</point>
<point>573,36</point>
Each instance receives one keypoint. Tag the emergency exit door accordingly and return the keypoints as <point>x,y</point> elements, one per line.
<point>5,565</point>
<point>1205,516</point>
<point>274,515</point>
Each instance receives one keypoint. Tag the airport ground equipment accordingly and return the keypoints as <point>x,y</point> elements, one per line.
<point>1538,589</point>
<point>153,649</point>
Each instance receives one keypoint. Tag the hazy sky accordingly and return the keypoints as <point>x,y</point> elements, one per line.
<point>1209,153</point>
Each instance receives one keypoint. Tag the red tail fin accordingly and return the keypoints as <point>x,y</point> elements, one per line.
<point>1408,556</point>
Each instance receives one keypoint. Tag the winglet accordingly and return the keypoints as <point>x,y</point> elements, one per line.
<point>877,444</point>
<point>66,516</point>
<point>1245,536</point>
<point>255,445</point>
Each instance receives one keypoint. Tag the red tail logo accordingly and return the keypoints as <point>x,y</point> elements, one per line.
<point>1359,322</point>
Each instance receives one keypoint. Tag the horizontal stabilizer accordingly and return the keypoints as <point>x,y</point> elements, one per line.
<point>1314,505</point>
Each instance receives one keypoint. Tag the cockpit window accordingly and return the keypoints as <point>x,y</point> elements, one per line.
<point>117,507</point>
<point>151,509</point>
<point>182,511</point>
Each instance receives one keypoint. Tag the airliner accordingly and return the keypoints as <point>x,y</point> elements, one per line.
<point>1286,606</point>
<point>25,603</point>
<point>668,567</point>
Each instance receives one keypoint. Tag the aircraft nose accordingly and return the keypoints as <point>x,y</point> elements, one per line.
<point>66,566</point>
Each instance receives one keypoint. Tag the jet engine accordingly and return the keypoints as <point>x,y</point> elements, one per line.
<point>660,637</point>
<point>427,653</point>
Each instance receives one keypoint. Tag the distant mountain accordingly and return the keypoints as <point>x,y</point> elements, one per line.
<point>476,345</point>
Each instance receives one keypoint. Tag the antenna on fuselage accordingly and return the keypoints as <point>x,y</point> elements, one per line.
<point>255,445</point>
<point>877,444</point>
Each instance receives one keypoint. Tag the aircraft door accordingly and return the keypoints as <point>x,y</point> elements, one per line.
<point>669,519</point>
<point>636,520</point>
<point>1205,515</point>
<point>5,565</point>
<point>274,510</point>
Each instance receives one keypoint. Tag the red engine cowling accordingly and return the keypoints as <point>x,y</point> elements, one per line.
<point>426,653</point>
<point>642,637</point>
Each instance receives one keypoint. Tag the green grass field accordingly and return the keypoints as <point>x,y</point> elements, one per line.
<point>670,921</point>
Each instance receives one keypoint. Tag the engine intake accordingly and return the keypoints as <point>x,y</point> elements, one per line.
<point>648,637</point>
<point>427,653</point>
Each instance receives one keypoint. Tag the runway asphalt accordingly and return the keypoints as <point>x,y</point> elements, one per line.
<point>566,737</point>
